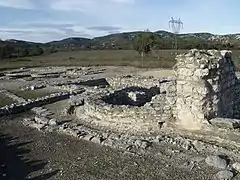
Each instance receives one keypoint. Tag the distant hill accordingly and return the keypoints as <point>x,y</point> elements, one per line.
<point>19,42</point>
<point>70,42</point>
<point>124,41</point>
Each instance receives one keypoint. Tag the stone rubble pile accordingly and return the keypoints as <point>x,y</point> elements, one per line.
<point>17,76</point>
<point>34,87</point>
<point>74,102</point>
<point>42,120</point>
<point>228,169</point>
<point>125,142</point>
<point>135,144</point>
<point>41,111</point>
<point>76,71</point>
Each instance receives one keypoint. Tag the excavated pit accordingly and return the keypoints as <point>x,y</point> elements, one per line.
<point>132,96</point>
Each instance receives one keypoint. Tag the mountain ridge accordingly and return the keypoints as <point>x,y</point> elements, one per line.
<point>123,40</point>
<point>130,32</point>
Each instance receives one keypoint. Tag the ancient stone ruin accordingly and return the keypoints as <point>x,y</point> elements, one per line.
<point>207,87</point>
<point>125,111</point>
<point>204,88</point>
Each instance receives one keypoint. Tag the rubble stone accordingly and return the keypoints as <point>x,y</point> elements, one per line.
<point>225,123</point>
<point>216,161</point>
<point>224,175</point>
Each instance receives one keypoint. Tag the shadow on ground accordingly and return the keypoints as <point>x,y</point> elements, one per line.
<point>13,164</point>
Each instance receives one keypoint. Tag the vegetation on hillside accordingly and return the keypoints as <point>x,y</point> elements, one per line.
<point>143,42</point>
<point>10,50</point>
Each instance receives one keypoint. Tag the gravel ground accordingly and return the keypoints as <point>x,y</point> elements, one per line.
<point>29,154</point>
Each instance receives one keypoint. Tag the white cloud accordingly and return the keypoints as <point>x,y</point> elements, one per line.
<point>19,4</point>
<point>88,5</point>
<point>125,1</point>
<point>90,18</point>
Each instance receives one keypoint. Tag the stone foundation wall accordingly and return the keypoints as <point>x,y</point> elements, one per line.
<point>28,105</point>
<point>119,117</point>
<point>206,85</point>
<point>131,81</point>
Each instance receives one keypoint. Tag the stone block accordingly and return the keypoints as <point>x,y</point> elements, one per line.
<point>216,161</point>
<point>226,123</point>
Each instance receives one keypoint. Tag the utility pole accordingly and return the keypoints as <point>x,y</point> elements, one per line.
<point>176,26</point>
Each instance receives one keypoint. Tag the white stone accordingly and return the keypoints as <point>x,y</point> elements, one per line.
<point>37,126</point>
<point>216,161</point>
<point>224,175</point>
<point>41,120</point>
<point>52,122</point>
<point>236,166</point>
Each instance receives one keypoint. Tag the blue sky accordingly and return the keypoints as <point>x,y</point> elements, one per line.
<point>46,20</point>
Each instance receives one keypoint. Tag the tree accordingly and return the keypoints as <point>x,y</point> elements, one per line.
<point>36,51</point>
<point>8,50</point>
<point>50,49</point>
<point>23,52</point>
<point>144,43</point>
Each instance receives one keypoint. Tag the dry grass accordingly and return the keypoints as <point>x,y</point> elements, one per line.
<point>4,100</point>
<point>164,59</point>
<point>158,59</point>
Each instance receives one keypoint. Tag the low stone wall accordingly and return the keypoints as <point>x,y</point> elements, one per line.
<point>28,105</point>
<point>123,118</point>
<point>70,85</point>
<point>86,82</point>
<point>133,144</point>
<point>120,82</point>
<point>34,87</point>
<point>13,96</point>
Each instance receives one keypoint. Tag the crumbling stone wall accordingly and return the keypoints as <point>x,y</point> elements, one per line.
<point>206,86</point>
<point>120,82</point>
<point>119,117</point>
<point>168,86</point>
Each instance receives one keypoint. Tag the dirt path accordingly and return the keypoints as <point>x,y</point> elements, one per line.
<point>29,154</point>
<point>158,73</point>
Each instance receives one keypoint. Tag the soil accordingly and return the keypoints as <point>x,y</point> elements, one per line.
<point>29,154</point>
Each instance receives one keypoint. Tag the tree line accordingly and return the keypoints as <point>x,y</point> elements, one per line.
<point>13,51</point>
<point>143,43</point>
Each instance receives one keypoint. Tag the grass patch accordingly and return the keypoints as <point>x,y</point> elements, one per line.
<point>158,59</point>
<point>4,100</point>
<point>34,94</point>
